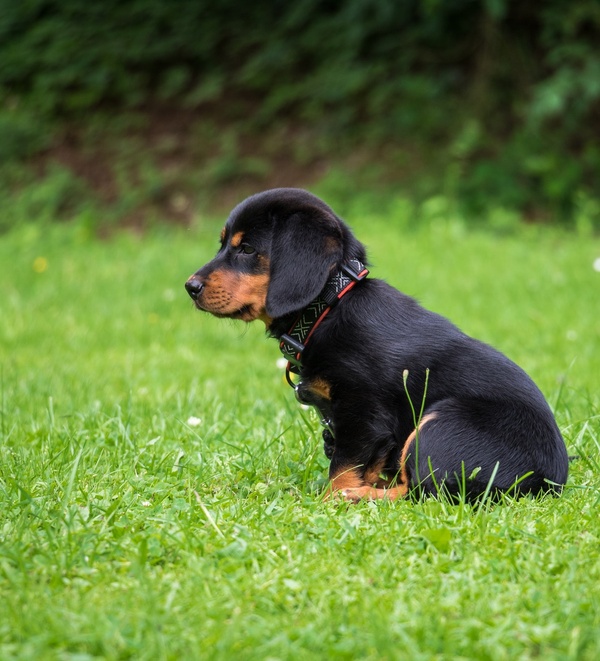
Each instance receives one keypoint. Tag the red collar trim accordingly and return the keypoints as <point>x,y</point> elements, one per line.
<point>293,342</point>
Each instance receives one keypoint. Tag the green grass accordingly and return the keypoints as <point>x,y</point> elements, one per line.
<point>126,531</point>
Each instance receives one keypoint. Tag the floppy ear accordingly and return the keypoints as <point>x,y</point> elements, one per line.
<point>305,247</point>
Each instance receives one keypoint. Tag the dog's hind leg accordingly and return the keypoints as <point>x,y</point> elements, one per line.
<point>475,447</point>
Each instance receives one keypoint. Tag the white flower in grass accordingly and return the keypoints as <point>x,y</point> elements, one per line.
<point>281,363</point>
<point>596,264</point>
<point>192,421</point>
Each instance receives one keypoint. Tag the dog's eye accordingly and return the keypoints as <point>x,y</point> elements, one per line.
<point>247,249</point>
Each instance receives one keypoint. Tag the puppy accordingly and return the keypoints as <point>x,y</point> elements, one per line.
<point>410,404</point>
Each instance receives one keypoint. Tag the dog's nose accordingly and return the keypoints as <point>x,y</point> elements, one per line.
<point>194,287</point>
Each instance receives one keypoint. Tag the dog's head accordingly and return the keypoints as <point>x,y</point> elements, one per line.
<point>278,249</point>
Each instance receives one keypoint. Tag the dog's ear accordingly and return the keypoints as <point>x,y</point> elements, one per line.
<point>306,246</point>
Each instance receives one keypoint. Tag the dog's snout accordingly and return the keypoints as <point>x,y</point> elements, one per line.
<point>194,287</point>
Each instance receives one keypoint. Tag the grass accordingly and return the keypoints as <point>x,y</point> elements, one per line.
<point>160,489</point>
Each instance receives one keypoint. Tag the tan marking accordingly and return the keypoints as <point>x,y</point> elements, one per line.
<point>374,475</point>
<point>413,435</point>
<point>236,239</point>
<point>371,493</point>
<point>223,232</point>
<point>346,478</point>
<point>320,387</point>
<point>349,485</point>
<point>227,292</point>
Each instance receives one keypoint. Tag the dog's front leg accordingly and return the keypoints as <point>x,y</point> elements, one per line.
<point>351,479</point>
<point>361,453</point>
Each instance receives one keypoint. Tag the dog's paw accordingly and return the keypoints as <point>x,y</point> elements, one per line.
<point>356,494</point>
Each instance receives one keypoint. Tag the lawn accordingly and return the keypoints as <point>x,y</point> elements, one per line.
<point>161,490</point>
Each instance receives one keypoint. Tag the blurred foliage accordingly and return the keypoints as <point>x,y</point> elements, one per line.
<point>503,95</point>
<point>25,196</point>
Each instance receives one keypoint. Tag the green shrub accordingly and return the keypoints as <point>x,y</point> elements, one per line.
<point>21,136</point>
<point>59,195</point>
<point>526,75</point>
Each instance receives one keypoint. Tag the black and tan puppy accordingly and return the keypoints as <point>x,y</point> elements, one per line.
<point>409,402</point>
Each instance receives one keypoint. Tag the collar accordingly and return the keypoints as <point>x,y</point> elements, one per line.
<point>293,342</point>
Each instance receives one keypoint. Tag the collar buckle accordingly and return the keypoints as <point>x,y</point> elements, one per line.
<point>291,349</point>
<point>354,275</point>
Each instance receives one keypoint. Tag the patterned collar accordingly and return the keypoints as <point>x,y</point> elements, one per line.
<point>293,342</point>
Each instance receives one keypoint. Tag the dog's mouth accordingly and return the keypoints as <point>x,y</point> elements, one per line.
<point>245,312</point>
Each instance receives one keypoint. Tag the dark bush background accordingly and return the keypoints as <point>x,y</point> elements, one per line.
<point>500,99</point>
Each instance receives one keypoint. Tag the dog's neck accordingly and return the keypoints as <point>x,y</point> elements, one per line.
<point>302,325</point>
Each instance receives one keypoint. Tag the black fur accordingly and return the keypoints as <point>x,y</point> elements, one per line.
<point>384,358</point>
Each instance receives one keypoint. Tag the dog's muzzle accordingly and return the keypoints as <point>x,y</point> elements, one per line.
<point>194,287</point>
